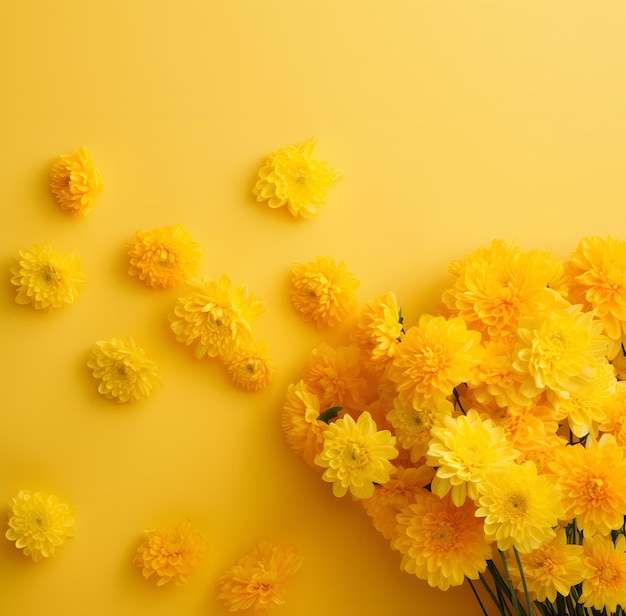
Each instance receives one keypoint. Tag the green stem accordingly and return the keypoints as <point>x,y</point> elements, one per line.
<point>497,603</point>
<point>521,572</point>
<point>514,600</point>
<point>482,607</point>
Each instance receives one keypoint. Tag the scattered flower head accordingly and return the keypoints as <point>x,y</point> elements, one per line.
<point>39,523</point>
<point>124,371</point>
<point>250,366</point>
<point>45,279</point>
<point>75,182</point>
<point>292,177</point>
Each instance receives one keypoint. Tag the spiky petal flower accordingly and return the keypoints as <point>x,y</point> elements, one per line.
<point>322,291</point>
<point>170,554</point>
<point>75,182</point>
<point>39,523</point>
<point>164,256</point>
<point>292,177</point>
<point>124,371</point>
<point>250,366</point>
<point>356,455</point>
<point>45,279</point>
<point>259,579</point>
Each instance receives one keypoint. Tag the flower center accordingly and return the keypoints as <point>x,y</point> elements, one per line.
<point>595,489</point>
<point>516,506</point>
<point>445,534</point>
<point>608,575</point>
<point>50,275</point>
<point>356,456</point>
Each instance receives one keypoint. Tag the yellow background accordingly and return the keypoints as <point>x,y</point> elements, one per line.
<point>456,122</point>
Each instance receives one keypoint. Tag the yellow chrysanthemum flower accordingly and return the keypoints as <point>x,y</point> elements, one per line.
<point>75,182</point>
<point>462,450</point>
<point>124,371</point>
<point>39,523</point>
<point>250,366</point>
<point>292,177</point>
<point>170,554</point>
<point>164,256</point>
<point>259,579</point>
<point>520,507</point>
<point>615,420</point>
<point>46,279</point>
<point>435,356</point>
<point>592,481</point>
<point>356,456</point>
<point>440,542</point>
<point>322,291</point>
<point>552,568</point>
<point>214,317</point>
<point>604,576</point>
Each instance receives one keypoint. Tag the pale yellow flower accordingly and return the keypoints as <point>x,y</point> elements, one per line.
<point>356,456</point>
<point>45,279</point>
<point>170,554</point>
<point>322,291</point>
<point>123,369</point>
<point>39,523</point>
<point>75,182</point>
<point>292,177</point>
<point>259,579</point>
<point>250,366</point>
<point>164,256</point>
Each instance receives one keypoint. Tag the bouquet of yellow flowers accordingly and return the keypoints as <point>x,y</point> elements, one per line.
<point>487,442</point>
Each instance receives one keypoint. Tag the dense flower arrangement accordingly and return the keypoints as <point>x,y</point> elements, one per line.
<point>487,442</point>
<point>258,580</point>
<point>39,523</point>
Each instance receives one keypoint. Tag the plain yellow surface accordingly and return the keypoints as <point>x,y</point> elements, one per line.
<point>455,121</point>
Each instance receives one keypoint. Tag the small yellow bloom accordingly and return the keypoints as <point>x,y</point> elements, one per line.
<point>250,366</point>
<point>39,523</point>
<point>259,578</point>
<point>46,279</point>
<point>124,371</point>
<point>170,554</point>
<point>75,182</point>
<point>292,177</point>
<point>165,256</point>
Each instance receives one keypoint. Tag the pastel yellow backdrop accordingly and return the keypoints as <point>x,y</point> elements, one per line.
<point>456,122</point>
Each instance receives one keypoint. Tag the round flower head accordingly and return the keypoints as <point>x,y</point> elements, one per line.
<point>356,456</point>
<point>46,279</point>
<point>75,182</point>
<point>124,371</point>
<point>292,177</point>
<point>39,523</point>
<point>250,366</point>
<point>322,291</point>
<point>170,554</point>
<point>259,579</point>
<point>164,256</point>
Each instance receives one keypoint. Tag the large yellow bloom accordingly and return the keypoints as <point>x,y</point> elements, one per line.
<point>520,507</point>
<point>435,356</point>
<point>170,554</point>
<point>259,578</point>
<point>292,177</point>
<point>75,182</point>
<point>39,523</point>
<point>46,279</point>
<point>592,481</point>
<point>440,542</point>
<point>356,455</point>
<point>214,317</point>
<point>164,256</point>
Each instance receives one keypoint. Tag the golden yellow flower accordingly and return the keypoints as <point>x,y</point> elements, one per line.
<point>322,291</point>
<point>592,481</point>
<point>440,542</point>
<point>463,449</point>
<point>170,554</point>
<point>435,356</point>
<point>46,279</point>
<point>604,575</point>
<point>356,455</point>
<point>164,256</point>
<point>124,371</point>
<point>292,177</point>
<point>75,182</point>
<point>214,317</point>
<point>39,523</point>
<point>615,420</point>
<point>259,579</point>
<point>250,366</point>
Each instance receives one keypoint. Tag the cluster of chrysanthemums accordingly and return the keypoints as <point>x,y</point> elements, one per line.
<point>487,442</point>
